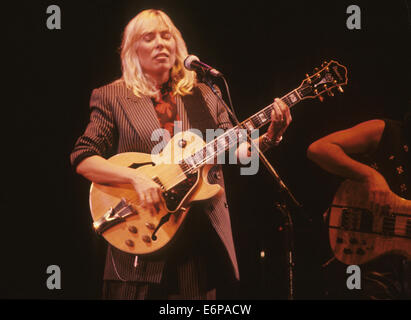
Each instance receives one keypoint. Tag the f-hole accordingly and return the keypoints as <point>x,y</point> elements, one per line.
<point>137,165</point>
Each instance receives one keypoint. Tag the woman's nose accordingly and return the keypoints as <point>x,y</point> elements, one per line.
<point>160,42</point>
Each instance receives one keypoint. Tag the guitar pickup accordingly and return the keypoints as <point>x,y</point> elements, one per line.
<point>113,217</point>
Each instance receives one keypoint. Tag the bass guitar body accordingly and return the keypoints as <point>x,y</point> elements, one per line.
<point>359,232</point>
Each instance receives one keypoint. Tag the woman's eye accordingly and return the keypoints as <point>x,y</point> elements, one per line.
<point>166,35</point>
<point>148,37</point>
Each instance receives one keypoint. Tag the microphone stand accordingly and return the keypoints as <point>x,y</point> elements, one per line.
<point>286,197</point>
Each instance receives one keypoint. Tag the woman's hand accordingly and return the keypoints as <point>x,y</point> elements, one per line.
<point>149,193</point>
<point>280,120</point>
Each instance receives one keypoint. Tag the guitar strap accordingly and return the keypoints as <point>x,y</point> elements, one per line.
<point>198,112</point>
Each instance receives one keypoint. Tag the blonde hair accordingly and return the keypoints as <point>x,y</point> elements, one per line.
<point>182,80</point>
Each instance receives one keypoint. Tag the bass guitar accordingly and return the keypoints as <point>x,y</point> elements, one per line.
<point>359,232</point>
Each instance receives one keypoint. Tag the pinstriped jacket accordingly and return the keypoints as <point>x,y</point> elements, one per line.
<point>122,122</point>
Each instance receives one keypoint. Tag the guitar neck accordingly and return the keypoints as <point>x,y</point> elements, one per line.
<point>263,117</point>
<point>232,136</point>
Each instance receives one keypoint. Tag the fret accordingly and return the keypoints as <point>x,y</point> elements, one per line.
<point>239,134</point>
<point>210,149</point>
<point>198,157</point>
<point>235,136</point>
<point>267,112</point>
<point>221,143</point>
<point>185,166</point>
<point>204,151</point>
<point>291,98</point>
<point>408,228</point>
<point>249,125</point>
<point>256,121</point>
<point>262,117</point>
<point>190,161</point>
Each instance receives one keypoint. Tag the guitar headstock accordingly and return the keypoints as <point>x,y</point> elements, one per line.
<point>331,75</point>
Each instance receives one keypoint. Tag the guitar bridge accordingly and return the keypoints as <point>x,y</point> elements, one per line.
<point>114,216</point>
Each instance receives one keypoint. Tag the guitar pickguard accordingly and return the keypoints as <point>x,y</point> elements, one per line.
<point>176,195</point>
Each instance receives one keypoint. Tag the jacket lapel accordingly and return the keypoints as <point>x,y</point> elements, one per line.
<point>143,117</point>
<point>185,124</point>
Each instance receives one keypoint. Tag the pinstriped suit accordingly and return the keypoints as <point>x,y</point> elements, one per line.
<point>122,122</point>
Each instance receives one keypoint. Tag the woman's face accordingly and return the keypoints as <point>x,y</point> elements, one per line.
<point>156,50</point>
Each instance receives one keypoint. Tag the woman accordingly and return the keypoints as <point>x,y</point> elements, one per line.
<point>154,92</point>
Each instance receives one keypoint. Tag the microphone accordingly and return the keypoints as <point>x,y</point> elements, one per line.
<point>193,63</point>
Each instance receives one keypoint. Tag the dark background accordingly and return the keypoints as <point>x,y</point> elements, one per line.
<point>264,50</point>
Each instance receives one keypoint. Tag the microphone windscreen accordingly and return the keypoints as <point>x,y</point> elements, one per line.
<point>188,60</point>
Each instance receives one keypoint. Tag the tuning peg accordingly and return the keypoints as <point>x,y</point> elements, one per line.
<point>330,93</point>
<point>340,89</point>
<point>320,97</point>
<point>308,78</point>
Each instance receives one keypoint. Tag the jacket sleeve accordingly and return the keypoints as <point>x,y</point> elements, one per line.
<point>100,134</point>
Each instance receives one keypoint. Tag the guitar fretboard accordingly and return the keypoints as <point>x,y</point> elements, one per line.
<point>235,135</point>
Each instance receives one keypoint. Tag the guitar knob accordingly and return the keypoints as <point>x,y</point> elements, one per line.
<point>130,243</point>
<point>360,252</point>
<point>146,239</point>
<point>347,251</point>
<point>320,97</point>
<point>132,229</point>
<point>340,89</point>
<point>150,226</point>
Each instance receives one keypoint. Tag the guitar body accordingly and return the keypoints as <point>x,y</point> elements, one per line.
<point>116,210</point>
<point>359,234</point>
